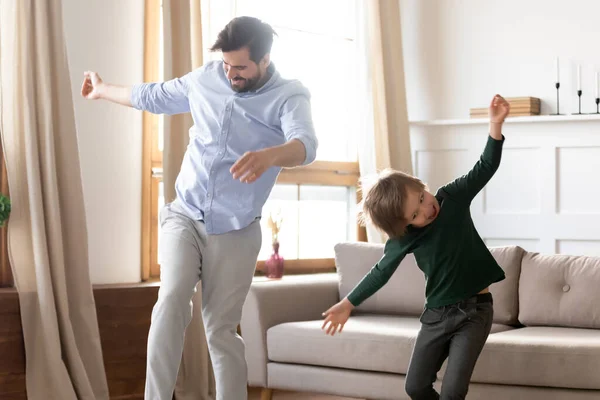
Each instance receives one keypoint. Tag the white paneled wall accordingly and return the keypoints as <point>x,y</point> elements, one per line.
<point>546,194</point>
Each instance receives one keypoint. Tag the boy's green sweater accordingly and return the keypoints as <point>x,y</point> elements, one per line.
<point>456,262</point>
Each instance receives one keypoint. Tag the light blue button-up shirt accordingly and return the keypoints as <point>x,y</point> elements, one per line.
<point>226,125</point>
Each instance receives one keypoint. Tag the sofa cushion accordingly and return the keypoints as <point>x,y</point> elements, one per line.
<point>404,294</point>
<point>560,290</point>
<point>541,356</point>
<point>381,343</point>
<point>506,292</point>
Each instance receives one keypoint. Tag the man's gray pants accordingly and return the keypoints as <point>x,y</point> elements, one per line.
<point>225,266</point>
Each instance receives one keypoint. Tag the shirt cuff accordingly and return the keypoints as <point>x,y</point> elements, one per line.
<point>135,98</point>
<point>310,147</point>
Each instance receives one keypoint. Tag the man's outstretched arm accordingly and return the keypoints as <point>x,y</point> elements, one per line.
<point>170,97</point>
<point>94,88</point>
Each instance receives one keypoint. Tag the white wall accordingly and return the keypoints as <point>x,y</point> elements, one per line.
<point>458,53</point>
<point>107,36</point>
<point>544,195</point>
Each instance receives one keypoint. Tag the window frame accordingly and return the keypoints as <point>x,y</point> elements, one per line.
<point>151,156</point>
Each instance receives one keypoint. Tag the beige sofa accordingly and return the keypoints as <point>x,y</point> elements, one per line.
<point>545,342</point>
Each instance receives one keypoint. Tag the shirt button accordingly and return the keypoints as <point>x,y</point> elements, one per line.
<point>566,288</point>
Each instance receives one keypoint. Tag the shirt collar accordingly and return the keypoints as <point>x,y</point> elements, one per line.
<point>271,70</point>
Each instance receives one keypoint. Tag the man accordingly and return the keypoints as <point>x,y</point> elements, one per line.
<point>249,123</point>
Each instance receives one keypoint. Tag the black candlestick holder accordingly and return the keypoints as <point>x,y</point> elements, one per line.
<point>579,93</point>
<point>597,106</point>
<point>557,85</point>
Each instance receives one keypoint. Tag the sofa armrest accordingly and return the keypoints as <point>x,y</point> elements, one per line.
<point>270,303</point>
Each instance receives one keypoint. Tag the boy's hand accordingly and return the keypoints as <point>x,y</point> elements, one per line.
<point>499,109</point>
<point>337,316</point>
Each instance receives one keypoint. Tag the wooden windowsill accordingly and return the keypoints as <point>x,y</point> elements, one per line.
<point>148,283</point>
<point>296,277</point>
<point>291,266</point>
<point>330,173</point>
<point>302,266</point>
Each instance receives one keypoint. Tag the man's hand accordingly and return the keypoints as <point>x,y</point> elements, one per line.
<point>337,316</point>
<point>94,88</point>
<point>249,167</point>
<point>92,83</point>
<point>253,164</point>
<point>499,109</point>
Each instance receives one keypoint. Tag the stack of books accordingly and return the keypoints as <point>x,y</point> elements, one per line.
<point>519,107</point>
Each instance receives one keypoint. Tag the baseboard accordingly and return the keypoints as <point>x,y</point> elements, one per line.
<point>123,311</point>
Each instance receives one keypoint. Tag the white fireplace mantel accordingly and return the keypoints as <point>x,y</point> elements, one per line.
<point>510,120</point>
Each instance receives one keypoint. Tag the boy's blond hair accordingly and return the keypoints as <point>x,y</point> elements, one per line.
<point>383,201</point>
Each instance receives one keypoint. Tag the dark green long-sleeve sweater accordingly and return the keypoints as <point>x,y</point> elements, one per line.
<point>456,262</point>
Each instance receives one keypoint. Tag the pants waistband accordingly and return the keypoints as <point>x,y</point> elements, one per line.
<point>478,298</point>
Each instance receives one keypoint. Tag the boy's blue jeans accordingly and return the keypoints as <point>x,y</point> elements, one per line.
<point>457,332</point>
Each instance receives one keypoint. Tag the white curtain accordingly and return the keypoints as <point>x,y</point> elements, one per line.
<point>386,139</point>
<point>47,234</point>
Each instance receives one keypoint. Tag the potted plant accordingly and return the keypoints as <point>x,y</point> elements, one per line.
<point>4,209</point>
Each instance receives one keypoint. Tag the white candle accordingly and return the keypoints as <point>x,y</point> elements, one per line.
<point>597,84</point>
<point>579,77</point>
<point>557,71</point>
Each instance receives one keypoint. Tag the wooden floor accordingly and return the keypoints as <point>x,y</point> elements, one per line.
<point>254,394</point>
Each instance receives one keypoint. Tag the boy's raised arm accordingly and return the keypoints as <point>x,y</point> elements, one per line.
<point>467,186</point>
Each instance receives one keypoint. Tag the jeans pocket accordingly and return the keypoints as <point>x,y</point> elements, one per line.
<point>432,315</point>
<point>483,312</point>
<point>485,307</point>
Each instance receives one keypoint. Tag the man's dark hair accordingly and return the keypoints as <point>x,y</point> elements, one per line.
<point>246,31</point>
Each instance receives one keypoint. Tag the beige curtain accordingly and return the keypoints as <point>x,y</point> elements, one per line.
<point>386,143</point>
<point>183,52</point>
<point>47,232</point>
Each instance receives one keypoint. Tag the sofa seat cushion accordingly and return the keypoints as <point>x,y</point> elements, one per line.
<point>380,343</point>
<point>541,356</point>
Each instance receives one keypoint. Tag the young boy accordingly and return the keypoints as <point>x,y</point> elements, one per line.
<point>457,265</point>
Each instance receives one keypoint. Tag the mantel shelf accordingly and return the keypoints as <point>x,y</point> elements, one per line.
<point>510,120</point>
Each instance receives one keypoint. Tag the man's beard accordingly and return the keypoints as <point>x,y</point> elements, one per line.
<point>250,83</point>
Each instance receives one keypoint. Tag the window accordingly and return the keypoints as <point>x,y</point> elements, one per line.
<point>317,202</point>
<point>305,210</point>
